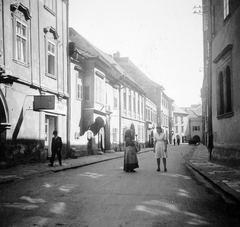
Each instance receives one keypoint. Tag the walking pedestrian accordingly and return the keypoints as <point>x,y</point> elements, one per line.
<point>130,152</point>
<point>56,148</point>
<point>160,148</point>
<point>178,141</point>
<point>174,141</point>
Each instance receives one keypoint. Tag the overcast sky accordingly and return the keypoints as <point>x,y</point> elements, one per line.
<point>161,37</point>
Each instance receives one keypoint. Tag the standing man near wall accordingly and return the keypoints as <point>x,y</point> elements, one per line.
<point>56,148</point>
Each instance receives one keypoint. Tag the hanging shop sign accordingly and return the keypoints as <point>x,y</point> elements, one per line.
<point>44,102</point>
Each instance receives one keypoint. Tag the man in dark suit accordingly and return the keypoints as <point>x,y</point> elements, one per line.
<point>56,148</point>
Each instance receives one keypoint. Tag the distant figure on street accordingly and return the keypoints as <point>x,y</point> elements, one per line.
<point>160,148</point>
<point>56,148</point>
<point>130,152</point>
<point>178,141</point>
<point>174,141</point>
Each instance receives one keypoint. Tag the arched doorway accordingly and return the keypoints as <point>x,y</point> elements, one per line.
<point>196,138</point>
<point>4,124</point>
<point>4,120</point>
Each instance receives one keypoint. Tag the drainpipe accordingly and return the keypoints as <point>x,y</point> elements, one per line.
<point>120,117</point>
<point>68,88</point>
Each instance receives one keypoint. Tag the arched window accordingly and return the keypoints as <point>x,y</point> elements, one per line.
<point>228,90</point>
<point>220,94</point>
<point>224,83</point>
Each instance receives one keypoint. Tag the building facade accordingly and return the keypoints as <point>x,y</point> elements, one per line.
<point>221,19</point>
<point>195,122</point>
<point>181,125</point>
<point>33,78</point>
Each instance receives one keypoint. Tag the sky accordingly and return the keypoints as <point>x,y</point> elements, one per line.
<point>163,38</point>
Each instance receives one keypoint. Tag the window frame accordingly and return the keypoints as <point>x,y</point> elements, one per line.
<point>51,55</point>
<point>124,99</point>
<point>21,15</point>
<point>51,37</point>
<point>226,9</point>
<point>79,84</point>
<point>99,89</point>
<point>225,105</point>
<point>129,101</point>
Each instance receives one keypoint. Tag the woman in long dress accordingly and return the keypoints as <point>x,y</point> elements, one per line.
<point>160,148</point>
<point>130,153</point>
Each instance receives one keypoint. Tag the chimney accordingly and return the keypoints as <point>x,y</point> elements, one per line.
<point>116,55</point>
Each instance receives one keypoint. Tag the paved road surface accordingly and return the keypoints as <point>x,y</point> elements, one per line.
<point>102,195</point>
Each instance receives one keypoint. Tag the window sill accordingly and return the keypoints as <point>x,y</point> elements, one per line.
<point>21,63</point>
<point>226,115</point>
<point>51,76</point>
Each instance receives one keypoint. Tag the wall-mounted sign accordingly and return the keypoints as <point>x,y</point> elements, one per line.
<point>44,102</point>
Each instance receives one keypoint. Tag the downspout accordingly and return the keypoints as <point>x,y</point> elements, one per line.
<point>68,88</point>
<point>120,116</point>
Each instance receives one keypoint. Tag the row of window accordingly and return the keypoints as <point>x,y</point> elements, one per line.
<point>132,103</point>
<point>182,129</point>
<point>151,115</point>
<point>165,120</point>
<point>165,103</point>
<point>176,119</point>
<point>196,128</point>
<point>20,18</point>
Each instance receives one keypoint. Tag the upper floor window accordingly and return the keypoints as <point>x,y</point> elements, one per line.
<point>79,86</point>
<point>51,51</point>
<point>224,91</point>
<point>225,8</point>
<point>224,83</point>
<point>115,98</point>
<point>20,16</point>
<point>51,56</point>
<point>21,41</point>
<point>176,119</point>
<point>130,101</point>
<point>138,105</point>
<point>196,128</point>
<point>134,102</point>
<point>100,84</point>
<point>124,99</point>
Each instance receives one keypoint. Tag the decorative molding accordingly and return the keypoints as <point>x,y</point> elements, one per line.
<point>227,49</point>
<point>100,74</point>
<point>78,68</point>
<point>21,8</point>
<point>52,30</point>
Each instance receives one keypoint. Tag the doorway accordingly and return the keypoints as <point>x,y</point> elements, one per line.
<point>50,126</point>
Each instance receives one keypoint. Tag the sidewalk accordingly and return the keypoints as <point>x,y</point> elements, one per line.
<point>225,178</point>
